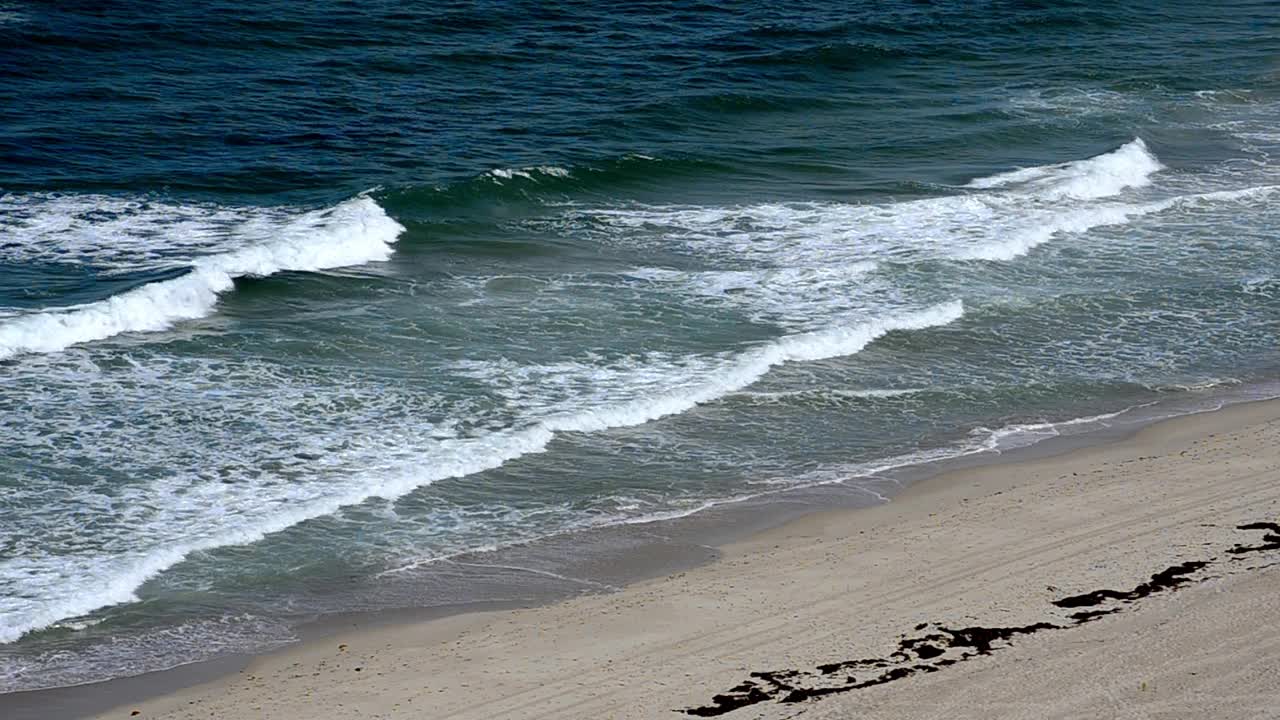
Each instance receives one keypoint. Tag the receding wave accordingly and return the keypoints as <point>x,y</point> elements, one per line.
<point>766,256</point>
<point>833,397</point>
<point>752,365</point>
<point>352,233</point>
<point>105,581</point>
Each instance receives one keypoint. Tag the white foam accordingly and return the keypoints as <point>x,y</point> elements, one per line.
<point>1023,240</point>
<point>352,233</point>
<point>83,583</point>
<point>815,235</point>
<point>135,653</point>
<point>822,254</point>
<point>1199,386</point>
<point>1074,102</point>
<point>1018,435</point>
<point>1025,237</point>
<point>752,365</point>
<point>1129,166</point>
<point>59,587</point>
<point>796,297</point>
<point>721,283</point>
<point>832,394</point>
<point>1016,213</point>
<point>112,233</point>
<point>528,173</point>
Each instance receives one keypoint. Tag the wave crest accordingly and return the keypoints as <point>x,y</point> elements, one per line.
<point>354,232</point>
<point>1129,166</point>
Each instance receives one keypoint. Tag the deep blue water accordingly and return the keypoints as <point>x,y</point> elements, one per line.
<point>298,299</point>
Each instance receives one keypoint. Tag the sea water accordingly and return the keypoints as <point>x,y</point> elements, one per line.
<point>297,296</point>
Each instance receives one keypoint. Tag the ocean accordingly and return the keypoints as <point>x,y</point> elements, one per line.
<point>317,307</point>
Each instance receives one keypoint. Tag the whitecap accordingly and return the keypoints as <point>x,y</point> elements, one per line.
<point>354,232</point>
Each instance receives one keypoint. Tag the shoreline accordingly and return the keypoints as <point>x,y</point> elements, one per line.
<point>731,542</point>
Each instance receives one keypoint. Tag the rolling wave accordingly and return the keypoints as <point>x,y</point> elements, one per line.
<point>780,255</point>
<point>80,584</point>
<point>354,232</point>
<point>539,186</point>
<point>999,218</point>
<point>497,190</point>
<point>1129,166</point>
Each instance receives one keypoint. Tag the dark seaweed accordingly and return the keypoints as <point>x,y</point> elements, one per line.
<point>1167,579</point>
<point>1270,541</point>
<point>932,651</point>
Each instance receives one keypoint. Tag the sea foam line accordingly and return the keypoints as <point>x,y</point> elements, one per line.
<point>999,217</point>
<point>116,581</point>
<point>1079,220</point>
<point>354,232</point>
<point>753,364</point>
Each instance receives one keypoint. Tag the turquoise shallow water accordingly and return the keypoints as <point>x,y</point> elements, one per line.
<point>299,298</point>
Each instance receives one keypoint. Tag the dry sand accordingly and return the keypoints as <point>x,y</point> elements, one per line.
<point>922,608</point>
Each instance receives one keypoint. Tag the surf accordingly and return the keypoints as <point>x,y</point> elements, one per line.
<point>353,232</point>
<point>103,581</point>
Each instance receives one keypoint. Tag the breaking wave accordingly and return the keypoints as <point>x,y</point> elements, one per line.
<point>354,232</point>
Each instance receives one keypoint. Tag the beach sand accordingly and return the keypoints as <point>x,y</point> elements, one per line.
<point>939,604</point>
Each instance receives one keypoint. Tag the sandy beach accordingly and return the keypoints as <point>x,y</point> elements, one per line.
<point>727,359</point>
<point>1112,581</point>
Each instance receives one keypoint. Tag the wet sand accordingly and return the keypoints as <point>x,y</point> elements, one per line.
<point>1133,579</point>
